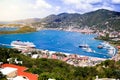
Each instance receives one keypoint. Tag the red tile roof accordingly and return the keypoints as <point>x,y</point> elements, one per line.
<point>21,72</point>
<point>30,76</point>
<point>20,68</point>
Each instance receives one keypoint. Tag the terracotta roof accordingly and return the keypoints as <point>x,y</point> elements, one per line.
<point>21,72</point>
<point>20,68</point>
<point>30,76</point>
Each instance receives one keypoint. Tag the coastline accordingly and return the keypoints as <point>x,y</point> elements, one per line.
<point>85,31</point>
<point>71,58</point>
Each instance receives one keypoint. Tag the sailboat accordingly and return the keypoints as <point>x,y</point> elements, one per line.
<point>85,47</point>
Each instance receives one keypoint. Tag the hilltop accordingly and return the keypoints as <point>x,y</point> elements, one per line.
<point>99,19</point>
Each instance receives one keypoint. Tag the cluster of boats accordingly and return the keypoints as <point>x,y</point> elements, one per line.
<point>86,48</point>
<point>106,45</point>
<point>111,50</point>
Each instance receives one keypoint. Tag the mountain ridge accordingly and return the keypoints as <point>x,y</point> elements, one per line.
<point>94,19</point>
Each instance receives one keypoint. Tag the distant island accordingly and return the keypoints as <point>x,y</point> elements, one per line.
<point>7,28</point>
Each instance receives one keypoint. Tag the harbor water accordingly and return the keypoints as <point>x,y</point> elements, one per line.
<point>60,41</point>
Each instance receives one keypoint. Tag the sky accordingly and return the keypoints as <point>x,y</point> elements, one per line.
<point>11,10</point>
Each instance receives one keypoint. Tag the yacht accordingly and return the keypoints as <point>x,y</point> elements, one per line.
<point>83,46</point>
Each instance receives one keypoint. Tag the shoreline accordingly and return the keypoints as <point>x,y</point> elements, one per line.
<point>70,58</point>
<point>85,31</point>
<point>71,54</point>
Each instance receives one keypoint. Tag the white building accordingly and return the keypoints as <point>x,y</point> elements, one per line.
<point>9,72</point>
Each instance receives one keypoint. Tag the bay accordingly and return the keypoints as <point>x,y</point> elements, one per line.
<point>60,41</point>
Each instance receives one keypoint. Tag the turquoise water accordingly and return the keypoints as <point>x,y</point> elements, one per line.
<point>60,41</point>
<point>8,29</point>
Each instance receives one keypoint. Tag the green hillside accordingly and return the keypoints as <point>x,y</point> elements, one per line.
<point>94,19</point>
<point>49,68</point>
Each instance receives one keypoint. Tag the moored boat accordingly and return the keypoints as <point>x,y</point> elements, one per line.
<point>100,47</point>
<point>83,46</point>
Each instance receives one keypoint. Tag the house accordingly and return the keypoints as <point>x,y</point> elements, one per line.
<point>45,56</point>
<point>73,56</point>
<point>9,72</point>
<point>54,56</point>
<point>16,72</point>
<point>113,34</point>
<point>35,56</point>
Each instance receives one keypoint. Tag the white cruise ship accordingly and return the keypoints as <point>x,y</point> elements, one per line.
<point>20,44</point>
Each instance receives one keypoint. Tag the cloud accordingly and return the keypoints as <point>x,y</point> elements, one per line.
<point>42,4</point>
<point>71,1</point>
<point>57,8</point>
<point>116,1</point>
<point>20,9</point>
<point>9,10</point>
<point>81,1</point>
<point>71,11</point>
<point>83,6</point>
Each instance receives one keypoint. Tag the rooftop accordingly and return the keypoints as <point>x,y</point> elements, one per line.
<point>20,68</point>
<point>21,72</point>
<point>8,70</point>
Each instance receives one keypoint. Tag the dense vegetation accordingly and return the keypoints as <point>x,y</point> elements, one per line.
<point>100,19</point>
<point>24,29</point>
<point>48,68</point>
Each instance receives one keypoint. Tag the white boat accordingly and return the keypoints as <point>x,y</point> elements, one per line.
<point>83,46</point>
<point>89,50</point>
<point>111,50</point>
<point>20,44</point>
<point>105,44</point>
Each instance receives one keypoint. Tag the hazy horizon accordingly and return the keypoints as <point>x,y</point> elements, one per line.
<point>22,9</point>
